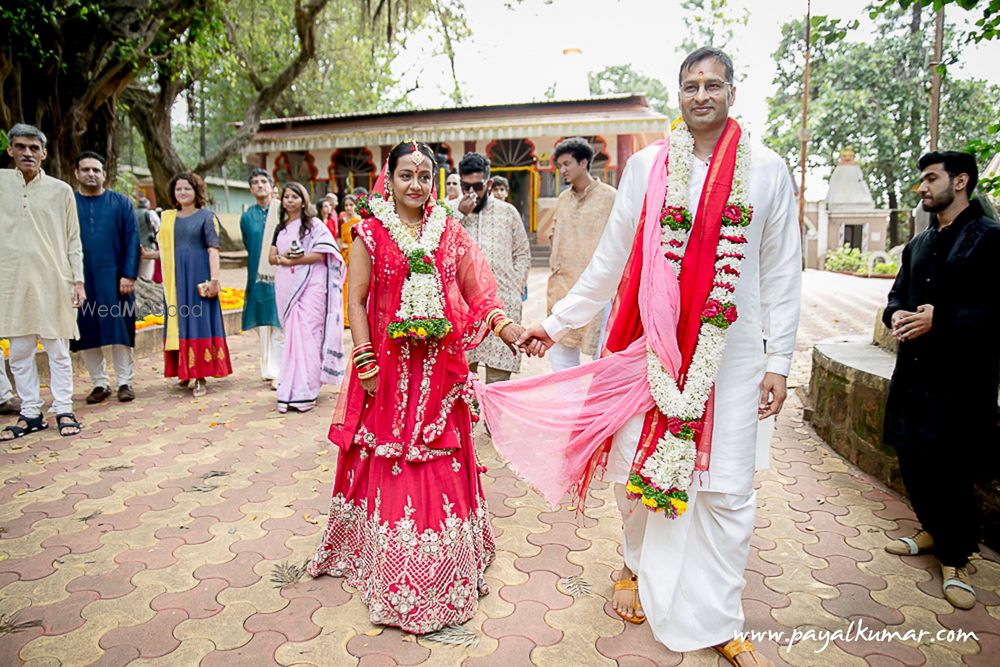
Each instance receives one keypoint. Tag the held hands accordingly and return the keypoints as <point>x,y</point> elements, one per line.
<point>534,342</point>
<point>773,392</point>
<point>510,335</point>
<point>907,326</point>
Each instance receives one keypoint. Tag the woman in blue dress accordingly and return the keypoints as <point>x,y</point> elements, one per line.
<point>194,340</point>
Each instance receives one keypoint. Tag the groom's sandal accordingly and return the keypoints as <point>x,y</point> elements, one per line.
<point>67,424</point>
<point>919,543</point>
<point>739,647</point>
<point>631,584</point>
<point>31,425</point>
<point>957,588</point>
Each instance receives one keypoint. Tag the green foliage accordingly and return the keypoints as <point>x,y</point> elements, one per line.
<point>31,25</point>
<point>622,79</point>
<point>852,260</point>
<point>3,140</point>
<point>825,30</point>
<point>845,260</point>
<point>710,23</point>
<point>875,97</point>
<point>987,26</point>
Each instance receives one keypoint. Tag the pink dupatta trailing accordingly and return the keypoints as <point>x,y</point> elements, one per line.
<point>551,427</point>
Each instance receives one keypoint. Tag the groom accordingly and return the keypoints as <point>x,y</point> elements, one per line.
<point>688,571</point>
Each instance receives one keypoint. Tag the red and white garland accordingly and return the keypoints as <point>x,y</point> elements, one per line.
<point>663,481</point>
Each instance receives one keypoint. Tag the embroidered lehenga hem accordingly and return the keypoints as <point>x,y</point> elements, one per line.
<point>417,580</point>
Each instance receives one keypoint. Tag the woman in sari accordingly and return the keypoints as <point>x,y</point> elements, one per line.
<point>307,288</point>
<point>408,525</point>
<point>194,339</point>
<point>349,218</point>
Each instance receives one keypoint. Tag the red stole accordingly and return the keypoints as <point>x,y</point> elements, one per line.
<point>696,278</point>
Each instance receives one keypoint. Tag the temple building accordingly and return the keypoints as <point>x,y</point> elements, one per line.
<point>340,152</point>
<point>848,215</point>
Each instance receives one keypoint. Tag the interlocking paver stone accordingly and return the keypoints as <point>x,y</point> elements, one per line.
<point>152,539</point>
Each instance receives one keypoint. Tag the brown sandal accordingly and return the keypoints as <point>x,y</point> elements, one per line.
<point>734,648</point>
<point>631,584</point>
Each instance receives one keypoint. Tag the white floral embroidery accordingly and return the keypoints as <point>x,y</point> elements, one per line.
<point>418,580</point>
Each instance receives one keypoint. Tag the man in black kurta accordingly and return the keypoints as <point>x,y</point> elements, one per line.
<point>944,309</point>
<point>110,263</point>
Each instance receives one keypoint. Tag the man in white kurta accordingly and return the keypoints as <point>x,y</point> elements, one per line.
<point>41,279</point>
<point>690,569</point>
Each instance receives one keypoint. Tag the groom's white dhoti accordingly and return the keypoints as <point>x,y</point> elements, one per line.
<point>691,568</point>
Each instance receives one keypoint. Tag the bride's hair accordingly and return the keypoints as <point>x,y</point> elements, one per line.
<point>405,148</point>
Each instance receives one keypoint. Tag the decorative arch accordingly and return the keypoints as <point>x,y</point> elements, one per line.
<point>350,168</point>
<point>282,171</point>
<point>601,161</point>
<point>511,153</point>
<point>297,166</point>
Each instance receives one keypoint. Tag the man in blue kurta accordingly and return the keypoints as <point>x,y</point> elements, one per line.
<point>110,239</point>
<point>259,309</point>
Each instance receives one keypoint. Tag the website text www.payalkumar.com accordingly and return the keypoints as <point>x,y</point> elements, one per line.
<point>857,631</point>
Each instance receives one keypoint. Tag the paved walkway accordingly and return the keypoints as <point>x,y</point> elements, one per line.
<point>173,531</point>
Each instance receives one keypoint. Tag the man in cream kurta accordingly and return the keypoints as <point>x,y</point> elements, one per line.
<point>581,213</point>
<point>41,277</point>
<point>690,569</point>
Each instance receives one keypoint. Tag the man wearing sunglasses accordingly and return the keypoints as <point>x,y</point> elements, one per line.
<point>498,230</point>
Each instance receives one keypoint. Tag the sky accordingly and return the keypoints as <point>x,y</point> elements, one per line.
<point>514,55</point>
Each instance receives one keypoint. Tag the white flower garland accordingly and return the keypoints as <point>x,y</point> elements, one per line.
<point>667,472</point>
<point>429,237</point>
<point>421,302</point>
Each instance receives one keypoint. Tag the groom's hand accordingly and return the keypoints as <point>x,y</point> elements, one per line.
<point>773,392</point>
<point>534,341</point>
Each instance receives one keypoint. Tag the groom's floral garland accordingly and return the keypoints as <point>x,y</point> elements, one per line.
<point>421,303</point>
<point>665,476</point>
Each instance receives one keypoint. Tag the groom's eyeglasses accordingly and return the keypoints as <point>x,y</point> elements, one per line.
<point>713,88</point>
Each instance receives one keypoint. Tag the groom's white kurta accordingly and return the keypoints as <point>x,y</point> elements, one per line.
<point>691,568</point>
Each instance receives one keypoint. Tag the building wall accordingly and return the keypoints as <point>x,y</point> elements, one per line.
<point>546,187</point>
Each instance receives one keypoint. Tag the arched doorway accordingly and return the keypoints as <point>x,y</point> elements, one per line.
<point>297,166</point>
<point>516,160</point>
<point>351,168</point>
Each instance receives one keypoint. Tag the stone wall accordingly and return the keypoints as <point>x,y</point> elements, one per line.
<point>846,407</point>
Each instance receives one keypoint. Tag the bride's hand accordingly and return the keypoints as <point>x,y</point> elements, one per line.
<point>509,336</point>
<point>370,384</point>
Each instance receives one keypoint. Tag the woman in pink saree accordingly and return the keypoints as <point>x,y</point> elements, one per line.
<point>308,286</point>
<point>408,525</point>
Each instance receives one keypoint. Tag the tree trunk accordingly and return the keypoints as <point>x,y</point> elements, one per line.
<point>893,214</point>
<point>67,78</point>
<point>150,114</point>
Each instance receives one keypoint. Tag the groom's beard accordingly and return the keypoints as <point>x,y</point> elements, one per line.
<point>481,204</point>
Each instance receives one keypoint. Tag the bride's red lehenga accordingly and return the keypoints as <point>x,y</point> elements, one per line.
<point>408,524</point>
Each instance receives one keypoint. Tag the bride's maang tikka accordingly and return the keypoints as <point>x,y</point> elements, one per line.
<point>416,157</point>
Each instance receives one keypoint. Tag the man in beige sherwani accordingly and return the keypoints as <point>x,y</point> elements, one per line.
<point>497,229</point>
<point>581,213</point>
<point>41,280</point>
